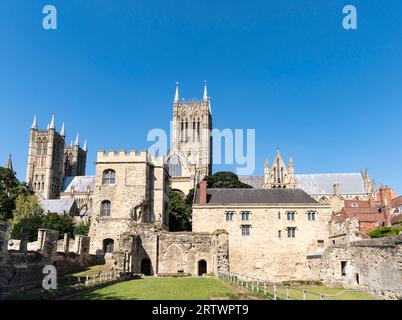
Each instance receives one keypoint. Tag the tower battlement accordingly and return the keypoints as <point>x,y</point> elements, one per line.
<point>122,156</point>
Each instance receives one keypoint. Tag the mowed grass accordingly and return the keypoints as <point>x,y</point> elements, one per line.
<point>162,289</point>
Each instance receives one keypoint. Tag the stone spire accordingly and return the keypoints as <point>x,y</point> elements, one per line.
<point>52,124</point>
<point>205,91</point>
<point>77,141</point>
<point>177,96</point>
<point>63,131</point>
<point>291,166</point>
<point>85,146</point>
<point>34,124</point>
<point>9,164</point>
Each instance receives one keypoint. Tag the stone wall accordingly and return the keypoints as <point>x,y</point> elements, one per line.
<point>23,268</point>
<point>151,250</point>
<point>264,253</point>
<point>373,265</point>
<point>139,195</point>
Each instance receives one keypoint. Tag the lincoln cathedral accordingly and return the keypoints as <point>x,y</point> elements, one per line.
<point>277,230</point>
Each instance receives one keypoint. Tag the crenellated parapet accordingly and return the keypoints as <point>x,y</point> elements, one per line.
<point>122,156</point>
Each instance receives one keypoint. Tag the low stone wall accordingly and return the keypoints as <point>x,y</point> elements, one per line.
<point>22,268</point>
<point>373,265</point>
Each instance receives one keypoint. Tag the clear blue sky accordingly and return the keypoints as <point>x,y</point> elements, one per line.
<point>328,97</point>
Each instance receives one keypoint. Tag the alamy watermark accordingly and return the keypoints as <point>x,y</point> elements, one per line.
<point>229,146</point>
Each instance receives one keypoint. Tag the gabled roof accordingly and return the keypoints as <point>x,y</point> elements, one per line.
<point>257,196</point>
<point>60,206</point>
<point>79,183</point>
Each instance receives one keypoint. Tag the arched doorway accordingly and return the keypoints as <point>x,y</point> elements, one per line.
<point>202,267</point>
<point>146,267</point>
<point>108,245</point>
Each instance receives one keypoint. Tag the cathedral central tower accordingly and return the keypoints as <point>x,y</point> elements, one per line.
<point>190,158</point>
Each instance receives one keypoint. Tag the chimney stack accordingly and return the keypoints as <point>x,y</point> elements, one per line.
<point>203,193</point>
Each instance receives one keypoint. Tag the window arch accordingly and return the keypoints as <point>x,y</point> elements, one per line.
<point>106,208</point>
<point>175,166</point>
<point>109,177</point>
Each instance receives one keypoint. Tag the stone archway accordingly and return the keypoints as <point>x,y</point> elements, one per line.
<point>146,267</point>
<point>202,268</point>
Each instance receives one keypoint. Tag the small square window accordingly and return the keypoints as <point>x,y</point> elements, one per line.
<point>279,233</point>
<point>291,216</point>
<point>245,231</point>
<point>245,216</point>
<point>229,216</point>
<point>291,232</point>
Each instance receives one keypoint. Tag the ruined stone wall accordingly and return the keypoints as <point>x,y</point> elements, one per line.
<point>265,254</point>
<point>23,268</point>
<point>171,252</point>
<point>373,265</point>
<point>182,252</point>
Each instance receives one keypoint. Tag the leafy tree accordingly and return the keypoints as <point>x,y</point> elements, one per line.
<point>27,228</point>
<point>26,206</point>
<point>10,189</point>
<point>179,213</point>
<point>61,223</point>
<point>225,179</point>
<point>82,228</point>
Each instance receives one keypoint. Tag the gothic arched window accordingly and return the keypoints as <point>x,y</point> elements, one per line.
<point>174,166</point>
<point>109,177</point>
<point>106,208</point>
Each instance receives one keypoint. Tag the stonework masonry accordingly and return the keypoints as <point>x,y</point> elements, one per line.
<point>21,269</point>
<point>268,253</point>
<point>373,265</point>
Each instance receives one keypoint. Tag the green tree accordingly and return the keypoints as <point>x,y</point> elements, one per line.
<point>82,228</point>
<point>61,223</point>
<point>26,206</point>
<point>27,228</point>
<point>10,189</point>
<point>179,213</point>
<point>225,179</point>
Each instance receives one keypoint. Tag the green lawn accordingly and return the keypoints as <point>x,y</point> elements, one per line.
<point>162,289</point>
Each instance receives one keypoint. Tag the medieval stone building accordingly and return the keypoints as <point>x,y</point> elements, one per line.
<point>271,231</point>
<point>190,158</point>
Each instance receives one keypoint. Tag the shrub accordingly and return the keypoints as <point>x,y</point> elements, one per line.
<point>27,228</point>
<point>384,232</point>
<point>61,223</point>
<point>82,228</point>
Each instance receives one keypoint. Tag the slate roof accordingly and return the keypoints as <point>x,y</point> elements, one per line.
<point>60,206</point>
<point>349,183</point>
<point>317,184</point>
<point>256,196</point>
<point>79,183</point>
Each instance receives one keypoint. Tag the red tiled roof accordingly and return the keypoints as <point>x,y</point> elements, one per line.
<point>397,202</point>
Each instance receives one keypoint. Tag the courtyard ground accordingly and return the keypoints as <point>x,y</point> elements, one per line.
<point>163,289</point>
<point>204,289</point>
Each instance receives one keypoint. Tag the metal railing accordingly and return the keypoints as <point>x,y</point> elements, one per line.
<point>276,291</point>
<point>66,285</point>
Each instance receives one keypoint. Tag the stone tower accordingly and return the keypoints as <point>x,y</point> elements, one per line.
<point>279,176</point>
<point>47,160</point>
<point>75,159</point>
<point>190,158</point>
